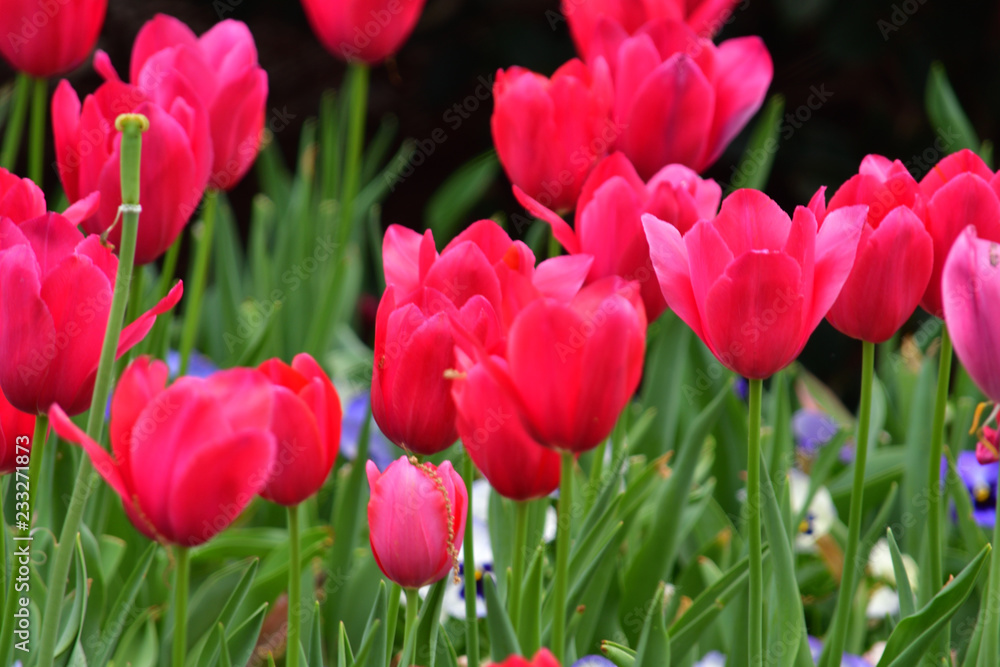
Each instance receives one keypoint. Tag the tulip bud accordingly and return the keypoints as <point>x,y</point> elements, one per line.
<point>366,30</point>
<point>416,518</point>
<point>47,37</point>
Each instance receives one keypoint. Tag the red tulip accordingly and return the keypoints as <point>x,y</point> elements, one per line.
<point>368,30</point>
<point>188,458</point>
<point>970,286</point>
<point>752,283</point>
<point>516,465</point>
<point>608,223</point>
<point>679,98</point>
<point>306,427</point>
<point>704,17</point>
<point>549,132</point>
<point>895,254</point>
<point>176,154</point>
<point>49,37</point>
<point>57,286</point>
<point>416,519</point>
<point>542,659</point>
<point>960,191</point>
<point>21,199</point>
<point>16,428</point>
<point>221,68</point>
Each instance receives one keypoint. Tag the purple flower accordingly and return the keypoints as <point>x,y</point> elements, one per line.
<point>812,429</point>
<point>380,450</point>
<point>981,482</point>
<point>593,661</point>
<point>741,387</point>
<point>199,365</point>
<point>712,659</point>
<point>847,660</point>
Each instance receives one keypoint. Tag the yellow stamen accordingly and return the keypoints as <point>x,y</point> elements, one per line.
<point>982,493</point>
<point>977,416</point>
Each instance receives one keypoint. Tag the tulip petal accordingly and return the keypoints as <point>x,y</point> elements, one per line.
<point>136,331</point>
<point>561,277</point>
<point>161,32</point>
<point>750,220</point>
<point>83,208</point>
<point>53,238</point>
<point>836,248</point>
<point>560,228</point>
<point>670,262</point>
<point>488,236</point>
<point>139,386</point>
<point>462,272</point>
<point>959,162</point>
<point>401,257</point>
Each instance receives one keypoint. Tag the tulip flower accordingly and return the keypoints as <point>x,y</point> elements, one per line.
<point>753,283</point>
<point>895,254</point>
<point>21,200</point>
<point>176,154</point>
<point>679,98</point>
<point>46,38</point>
<point>188,458</point>
<point>306,427</point>
<point>16,428</point>
<point>221,68</point>
<point>516,465</point>
<point>608,223</point>
<point>367,30</point>
<point>57,285</point>
<point>549,133</point>
<point>416,519</point>
<point>542,659</point>
<point>960,191</point>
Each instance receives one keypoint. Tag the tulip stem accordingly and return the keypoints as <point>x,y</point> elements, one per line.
<point>935,542</point>
<point>192,313</point>
<point>469,573</point>
<point>834,645</point>
<point>36,138</point>
<point>181,584</point>
<point>15,123</point>
<point>990,647</point>
<point>412,606</point>
<point>562,558</point>
<point>6,631</point>
<point>756,628</point>
<point>131,126</point>
<point>294,589</point>
<point>35,463</point>
<point>517,567</point>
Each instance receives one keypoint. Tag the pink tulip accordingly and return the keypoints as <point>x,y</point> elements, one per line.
<point>176,155</point>
<point>367,30</point>
<point>416,519</point>
<point>221,68</point>
<point>188,458</point>
<point>49,37</point>
<point>306,427</point>
<point>895,253</point>
<point>608,223</point>
<point>679,98</point>
<point>21,199</point>
<point>549,133</point>
<point>704,17</point>
<point>752,283</point>
<point>57,286</point>
<point>16,428</point>
<point>970,287</point>
<point>960,190</point>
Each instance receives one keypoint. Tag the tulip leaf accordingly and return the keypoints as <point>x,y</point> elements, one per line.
<point>946,113</point>
<point>503,640</point>
<point>204,605</point>
<point>914,634</point>
<point>668,359</point>
<point>874,532</point>
<point>139,650</point>
<point>77,614</point>
<point>376,635</point>
<point>906,603</point>
<point>223,647</point>
<point>373,630</point>
<point>971,532</point>
<point>755,166</point>
<point>654,642</point>
<point>243,639</point>
<point>453,201</point>
<point>622,656</point>
<point>529,625</point>
<point>123,606</point>
<point>428,620</point>
<point>315,656</point>
<point>345,658</point>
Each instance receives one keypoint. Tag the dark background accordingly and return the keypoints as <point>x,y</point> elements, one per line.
<point>871,56</point>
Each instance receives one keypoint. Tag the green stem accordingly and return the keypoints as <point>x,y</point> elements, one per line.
<point>392,619</point>
<point>412,605</point>
<point>181,584</point>
<point>935,542</point>
<point>834,645</point>
<point>6,631</point>
<point>756,627</point>
<point>471,618</point>
<point>517,567</point>
<point>36,138</point>
<point>131,126</point>
<point>596,471</point>
<point>15,122</point>
<point>192,312</point>
<point>562,558</point>
<point>990,647</point>
<point>294,589</point>
<point>35,462</point>
<point>554,249</point>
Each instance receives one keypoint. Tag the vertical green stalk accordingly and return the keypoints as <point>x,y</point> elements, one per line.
<point>192,312</point>
<point>935,541</point>
<point>756,626</point>
<point>294,589</point>
<point>412,604</point>
<point>36,138</point>
<point>562,558</point>
<point>35,463</point>
<point>181,584</point>
<point>131,126</point>
<point>15,122</point>
<point>990,648</point>
<point>517,567</point>
<point>7,583</point>
<point>471,618</point>
<point>834,645</point>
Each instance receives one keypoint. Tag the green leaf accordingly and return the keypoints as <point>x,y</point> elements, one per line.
<point>220,636</point>
<point>503,641</point>
<point>529,625</point>
<point>123,606</point>
<point>946,113</point>
<point>914,634</point>
<point>622,656</point>
<point>452,203</point>
<point>345,657</point>
<point>205,605</point>
<point>78,612</point>
<point>906,602</point>
<point>243,639</point>
<point>654,643</point>
<point>755,167</point>
<point>428,623</point>
<point>315,656</point>
<point>376,634</point>
<point>139,650</point>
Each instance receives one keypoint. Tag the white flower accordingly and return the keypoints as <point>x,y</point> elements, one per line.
<point>712,659</point>
<point>884,601</point>
<point>880,565</point>
<point>819,518</point>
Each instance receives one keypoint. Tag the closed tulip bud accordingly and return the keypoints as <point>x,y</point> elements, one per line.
<point>608,224</point>
<point>516,466</point>
<point>416,520</point>
<point>753,283</point>
<point>16,429</point>
<point>45,37</point>
<point>895,254</point>
<point>57,285</point>
<point>549,133</point>
<point>960,190</point>
<point>542,659</point>
<point>186,459</point>
<point>366,30</point>
<point>679,98</point>
<point>306,426</point>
